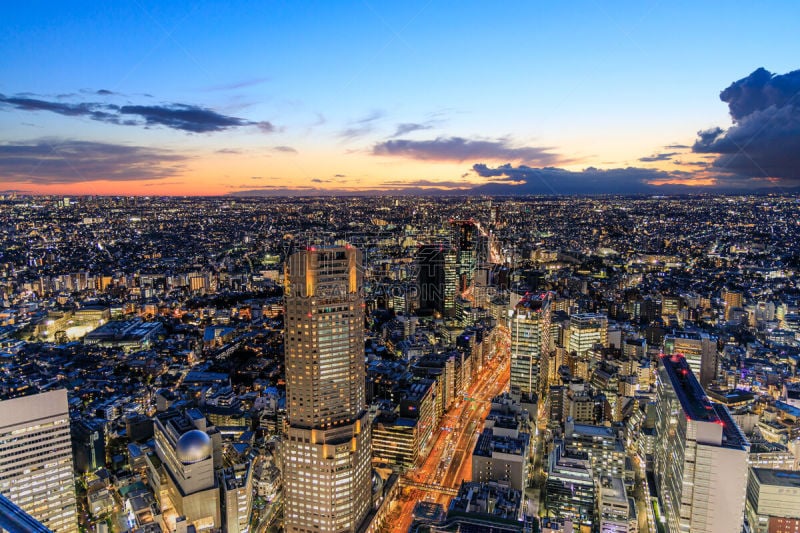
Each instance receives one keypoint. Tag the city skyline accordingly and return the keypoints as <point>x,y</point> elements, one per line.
<point>152,99</point>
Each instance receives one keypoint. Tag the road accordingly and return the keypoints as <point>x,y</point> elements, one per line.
<point>450,459</point>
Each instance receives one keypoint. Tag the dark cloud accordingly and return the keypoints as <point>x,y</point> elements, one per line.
<point>189,118</point>
<point>317,180</point>
<point>105,92</point>
<point>339,175</point>
<point>664,156</point>
<point>285,149</point>
<point>228,151</point>
<point>408,127</point>
<point>759,91</point>
<point>523,179</point>
<point>461,149</point>
<point>764,141</point>
<point>48,161</point>
<point>182,117</point>
<point>677,147</point>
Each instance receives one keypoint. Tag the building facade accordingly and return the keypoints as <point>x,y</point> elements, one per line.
<point>327,453</point>
<point>36,459</point>
<point>700,455</point>
<point>699,349</point>
<point>529,325</point>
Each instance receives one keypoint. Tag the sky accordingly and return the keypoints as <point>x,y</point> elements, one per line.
<point>304,98</point>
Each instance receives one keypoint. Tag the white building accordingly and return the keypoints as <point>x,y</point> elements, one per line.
<point>614,507</point>
<point>36,458</point>
<point>700,455</point>
<point>773,500</point>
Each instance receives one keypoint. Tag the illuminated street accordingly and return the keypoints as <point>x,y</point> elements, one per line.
<point>449,462</point>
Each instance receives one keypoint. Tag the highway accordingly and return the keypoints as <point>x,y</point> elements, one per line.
<point>450,459</point>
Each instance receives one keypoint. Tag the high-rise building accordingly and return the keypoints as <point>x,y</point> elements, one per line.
<point>436,279</point>
<point>586,330</point>
<point>529,325</point>
<point>326,462</point>
<point>700,455</point>
<point>36,458</point>
<point>700,351</point>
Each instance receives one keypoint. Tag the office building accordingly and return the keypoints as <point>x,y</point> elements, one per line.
<point>436,279</point>
<point>487,507</point>
<point>614,507</point>
<point>326,462</point>
<point>585,331</point>
<point>773,501</point>
<point>700,351</point>
<point>529,325</point>
<point>570,488</point>
<point>700,455</point>
<point>236,483</point>
<point>501,457</point>
<point>36,459</point>
<point>88,445</point>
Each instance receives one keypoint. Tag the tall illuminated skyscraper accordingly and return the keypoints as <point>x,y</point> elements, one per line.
<point>529,325</point>
<point>327,470</point>
<point>36,458</point>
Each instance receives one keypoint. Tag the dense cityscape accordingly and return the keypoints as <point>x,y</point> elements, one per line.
<point>400,364</point>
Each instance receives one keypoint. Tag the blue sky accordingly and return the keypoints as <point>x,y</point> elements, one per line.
<point>596,84</point>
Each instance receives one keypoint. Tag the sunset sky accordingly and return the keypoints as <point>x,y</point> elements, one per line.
<point>206,98</point>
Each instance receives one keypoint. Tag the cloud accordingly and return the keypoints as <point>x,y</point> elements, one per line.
<point>238,84</point>
<point>522,179</point>
<point>184,117</point>
<point>284,149</point>
<point>340,175</point>
<point>50,161</point>
<point>461,149</point>
<point>228,151</point>
<point>664,156</point>
<point>764,141</point>
<point>408,127</point>
<point>189,118</point>
<point>430,183</point>
<point>362,126</point>
<point>759,91</point>
<point>677,147</point>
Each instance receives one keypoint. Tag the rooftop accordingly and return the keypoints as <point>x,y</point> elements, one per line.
<point>781,478</point>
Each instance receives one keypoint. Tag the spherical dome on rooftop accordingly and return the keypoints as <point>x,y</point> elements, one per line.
<point>193,446</point>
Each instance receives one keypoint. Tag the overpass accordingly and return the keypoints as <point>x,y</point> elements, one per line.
<point>404,482</point>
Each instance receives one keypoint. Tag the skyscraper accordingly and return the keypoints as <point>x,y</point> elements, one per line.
<point>36,458</point>
<point>530,341</point>
<point>436,278</point>
<point>700,455</point>
<point>327,471</point>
